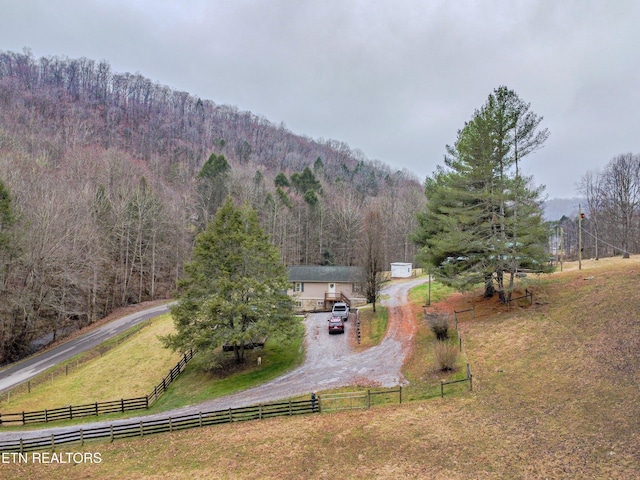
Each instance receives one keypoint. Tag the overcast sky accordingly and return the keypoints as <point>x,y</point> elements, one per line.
<point>395,79</point>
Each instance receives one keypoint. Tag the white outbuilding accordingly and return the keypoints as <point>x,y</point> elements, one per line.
<point>401,270</point>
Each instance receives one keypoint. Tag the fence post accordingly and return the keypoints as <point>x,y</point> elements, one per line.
<point>400,393</point>
<point>200,418</point>
<point>97,409</point>
<point>368,398</point>
<point>53,441</point>
<point>46,417</point>
<point>70,412</point>
<point>111,432</point>
<point>142,428</point>
<point>23,420</point>
<point>122,404</point>
<point>460,338</point>
<point>441,388</point>
<point>81,438</point>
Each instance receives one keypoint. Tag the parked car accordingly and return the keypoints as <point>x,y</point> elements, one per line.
<point>336,325</point>
<point>340,309</point>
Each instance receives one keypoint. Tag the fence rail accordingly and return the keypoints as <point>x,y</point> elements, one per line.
<point>527,295</point>
<point>99,408</point>
<point>355,400</point>
<point>183,422</point>
<point>451,382</point>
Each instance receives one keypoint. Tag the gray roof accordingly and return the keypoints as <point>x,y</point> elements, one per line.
<point>315,273</point>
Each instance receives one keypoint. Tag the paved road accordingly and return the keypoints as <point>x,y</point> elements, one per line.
<point>330,363</point>
<point>24,370</point>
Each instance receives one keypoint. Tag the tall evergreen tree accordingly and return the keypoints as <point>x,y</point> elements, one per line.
<point>483,219</point>
<point>212,187</point>
<point>234,291</point>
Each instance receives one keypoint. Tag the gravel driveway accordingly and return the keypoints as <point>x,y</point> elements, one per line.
<point>330,363</point>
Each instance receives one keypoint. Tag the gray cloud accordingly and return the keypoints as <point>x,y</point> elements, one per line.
<point>393,79</point>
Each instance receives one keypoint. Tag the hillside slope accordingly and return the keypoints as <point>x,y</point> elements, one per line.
<point>555,396</point>
<point>104,175</point>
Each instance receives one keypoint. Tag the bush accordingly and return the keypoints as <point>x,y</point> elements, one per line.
<point>439,324</point>
<point>446,355</point>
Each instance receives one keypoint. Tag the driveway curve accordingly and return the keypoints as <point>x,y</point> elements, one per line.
<point>330,363</point>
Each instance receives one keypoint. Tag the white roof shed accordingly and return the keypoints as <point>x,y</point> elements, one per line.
<point>401,270</point>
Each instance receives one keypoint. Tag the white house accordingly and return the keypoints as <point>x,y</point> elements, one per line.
<point>401,270</point>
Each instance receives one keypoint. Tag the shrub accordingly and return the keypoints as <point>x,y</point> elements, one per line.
<point>439,325</point>
<point>446,355</point>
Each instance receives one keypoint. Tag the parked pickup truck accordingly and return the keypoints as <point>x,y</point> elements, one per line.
<point>341,310</point>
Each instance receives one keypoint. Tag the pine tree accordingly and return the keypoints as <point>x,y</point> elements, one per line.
<point>212,187</point>
<point>234,291</point>
<point>483,219</point>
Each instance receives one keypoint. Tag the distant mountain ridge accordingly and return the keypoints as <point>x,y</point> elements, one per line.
<point>556,208</point>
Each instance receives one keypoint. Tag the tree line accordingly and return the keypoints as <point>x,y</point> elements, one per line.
<point>611,222</point>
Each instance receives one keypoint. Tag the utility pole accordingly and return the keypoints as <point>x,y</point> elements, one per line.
<point>561,247</point>
<point>580,217</point>
<point>429,301</point>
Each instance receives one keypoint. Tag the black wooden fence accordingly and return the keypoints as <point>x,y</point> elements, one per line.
<point>99,408</point>
<point>169,424</point>
<point>141,428</point>
<point>450,382</point>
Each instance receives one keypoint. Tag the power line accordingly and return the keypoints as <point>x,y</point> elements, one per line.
<point>606,243</point>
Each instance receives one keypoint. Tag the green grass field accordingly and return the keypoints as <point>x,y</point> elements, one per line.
<point>129,370</point>
<point>135,366</point>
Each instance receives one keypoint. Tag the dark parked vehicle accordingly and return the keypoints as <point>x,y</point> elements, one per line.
<point>336,325</point>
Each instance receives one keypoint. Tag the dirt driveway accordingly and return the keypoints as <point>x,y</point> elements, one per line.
<point>330,363</point>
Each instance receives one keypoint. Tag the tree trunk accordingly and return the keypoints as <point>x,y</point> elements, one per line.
<point>489,290</point>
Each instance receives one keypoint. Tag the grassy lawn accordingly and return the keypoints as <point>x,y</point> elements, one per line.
<point>373,325</point>
<point>420,294</point>
<point>136,365</point>
<point>555,396</point>
<point>194,385</point>
<point>113,375</point>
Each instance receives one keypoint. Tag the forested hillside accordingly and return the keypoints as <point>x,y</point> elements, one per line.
<point>107,178</point>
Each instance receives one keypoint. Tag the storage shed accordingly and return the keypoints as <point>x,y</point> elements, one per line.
<point>401,270</point>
